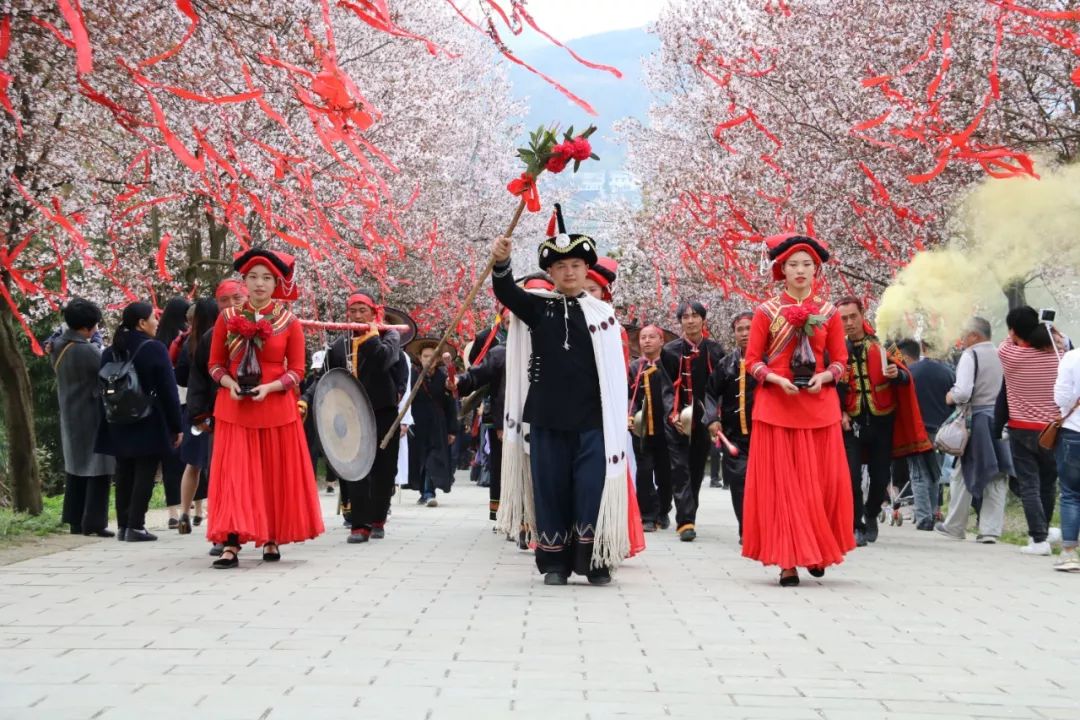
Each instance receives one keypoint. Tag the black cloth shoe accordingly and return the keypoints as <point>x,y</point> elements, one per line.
<point>789,580</point>
<point>554,578</point>
<point>174,523</point>
<point>378,533</point>
<point>121,534</point>
<point>77,530</point>
<point>871,529</point>
<point>600,576</point>
<point>663,522</point>
<point>215,551</point>
<point>715,484</point>
<point>140,535</point>
<point>183,526</point>
<point>816,572</point>
<point>230,558</point>
<point>106,533</point>
<point>688,535</point>
<point>358,536</point>
<point>860,539</point>
<point>648,526</point>
<point>271,555</point>
<point>197,520</point>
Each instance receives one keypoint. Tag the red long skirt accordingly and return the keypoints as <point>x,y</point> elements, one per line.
<point>262,486</point>
<point>797,511</point>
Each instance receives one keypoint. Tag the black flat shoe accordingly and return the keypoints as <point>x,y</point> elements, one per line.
<point>230,558</point>
<point>139,535</point>
<point>688,535</point>
<point>183,526</point>
<point>121,534</point>
<point>378,533</point>
<point>789,580</point>
<point>106,533</point>
<point>553,578</point>
<point>599,577</point>
<point>816,572</point>
<point>174,523</point>
<point>77,530</point>
<point>271,555</point>
<point>197,520</point>
<point>216,550</point>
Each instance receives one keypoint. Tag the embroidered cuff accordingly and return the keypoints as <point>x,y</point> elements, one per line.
<point>759,371</point>
<point>501,270</point>
<point>289,379</point>
<point>217,372</point>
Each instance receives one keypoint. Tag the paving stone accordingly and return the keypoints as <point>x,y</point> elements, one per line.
<point>445,620</point>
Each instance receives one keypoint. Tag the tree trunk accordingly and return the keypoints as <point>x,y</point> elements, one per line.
<point>23,472</point>
<point>1016,292</point>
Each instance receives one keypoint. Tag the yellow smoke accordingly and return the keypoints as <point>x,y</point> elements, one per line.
<point>1010,229</point>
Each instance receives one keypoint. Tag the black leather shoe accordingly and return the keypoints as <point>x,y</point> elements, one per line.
<point>816,572</point>
<point>140,535</point>
<point>553,578</point>
<point>197,520</point>
<point>106,533</point>
<point>871,529</point>
<point>121,534</point>
<point>174,523</point>
<point>789,580</point>
<point>183,525</point>
<point>271,555</point>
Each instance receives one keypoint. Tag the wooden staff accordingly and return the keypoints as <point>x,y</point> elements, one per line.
<point>450,328</point>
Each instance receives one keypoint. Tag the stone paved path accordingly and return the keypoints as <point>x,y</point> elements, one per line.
<point>444,620</point>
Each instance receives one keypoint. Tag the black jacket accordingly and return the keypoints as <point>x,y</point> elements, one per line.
<point>724,401</point>
<point>202,390</point>
<point>564,385</point>
<point>153,435</point>
<point>376,368</point>
<point>703,363</point>
<point>661,391</point>
<point>490,372</point>
<point>434,411</point>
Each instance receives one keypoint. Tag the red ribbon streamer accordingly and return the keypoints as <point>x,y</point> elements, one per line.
<point>525,187</point>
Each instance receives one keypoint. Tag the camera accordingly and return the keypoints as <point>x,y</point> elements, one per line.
<point>1047,315</point>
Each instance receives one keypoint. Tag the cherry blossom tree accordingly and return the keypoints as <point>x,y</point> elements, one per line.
<point>863,123</point>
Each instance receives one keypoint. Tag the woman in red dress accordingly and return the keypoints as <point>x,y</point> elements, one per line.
<point>262,487</point>
<point>798,502</point>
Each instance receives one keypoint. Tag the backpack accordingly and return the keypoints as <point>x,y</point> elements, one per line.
<point>123,398</point>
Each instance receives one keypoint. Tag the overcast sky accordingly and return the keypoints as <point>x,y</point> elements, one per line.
<point>572,19</point>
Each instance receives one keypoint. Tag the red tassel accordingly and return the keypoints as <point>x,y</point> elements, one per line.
<point>552,227</point>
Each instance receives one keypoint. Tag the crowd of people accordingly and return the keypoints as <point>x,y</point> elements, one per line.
<point>588,433</point>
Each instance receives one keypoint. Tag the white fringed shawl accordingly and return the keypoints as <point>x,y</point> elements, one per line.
<point>516,506</point>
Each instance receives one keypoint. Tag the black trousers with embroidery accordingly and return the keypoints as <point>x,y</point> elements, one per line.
<point>568,482</point>
<point>870,446</point>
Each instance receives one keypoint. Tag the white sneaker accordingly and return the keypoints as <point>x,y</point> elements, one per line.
<point>1069,563</point>
<point>1053,536</point>
<point>1042,548</point>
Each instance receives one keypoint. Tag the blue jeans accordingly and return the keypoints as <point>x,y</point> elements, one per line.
<point>925,472</point>
<point>1068,462</point>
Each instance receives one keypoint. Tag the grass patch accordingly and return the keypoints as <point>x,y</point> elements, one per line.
<point>17,526</point>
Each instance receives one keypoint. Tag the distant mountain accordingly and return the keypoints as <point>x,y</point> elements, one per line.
<point>612,98</point>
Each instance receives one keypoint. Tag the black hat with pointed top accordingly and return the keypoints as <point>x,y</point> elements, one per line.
<point>562,245</point>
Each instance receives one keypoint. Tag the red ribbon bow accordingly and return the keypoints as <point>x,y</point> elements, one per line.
<point>525,187</point>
